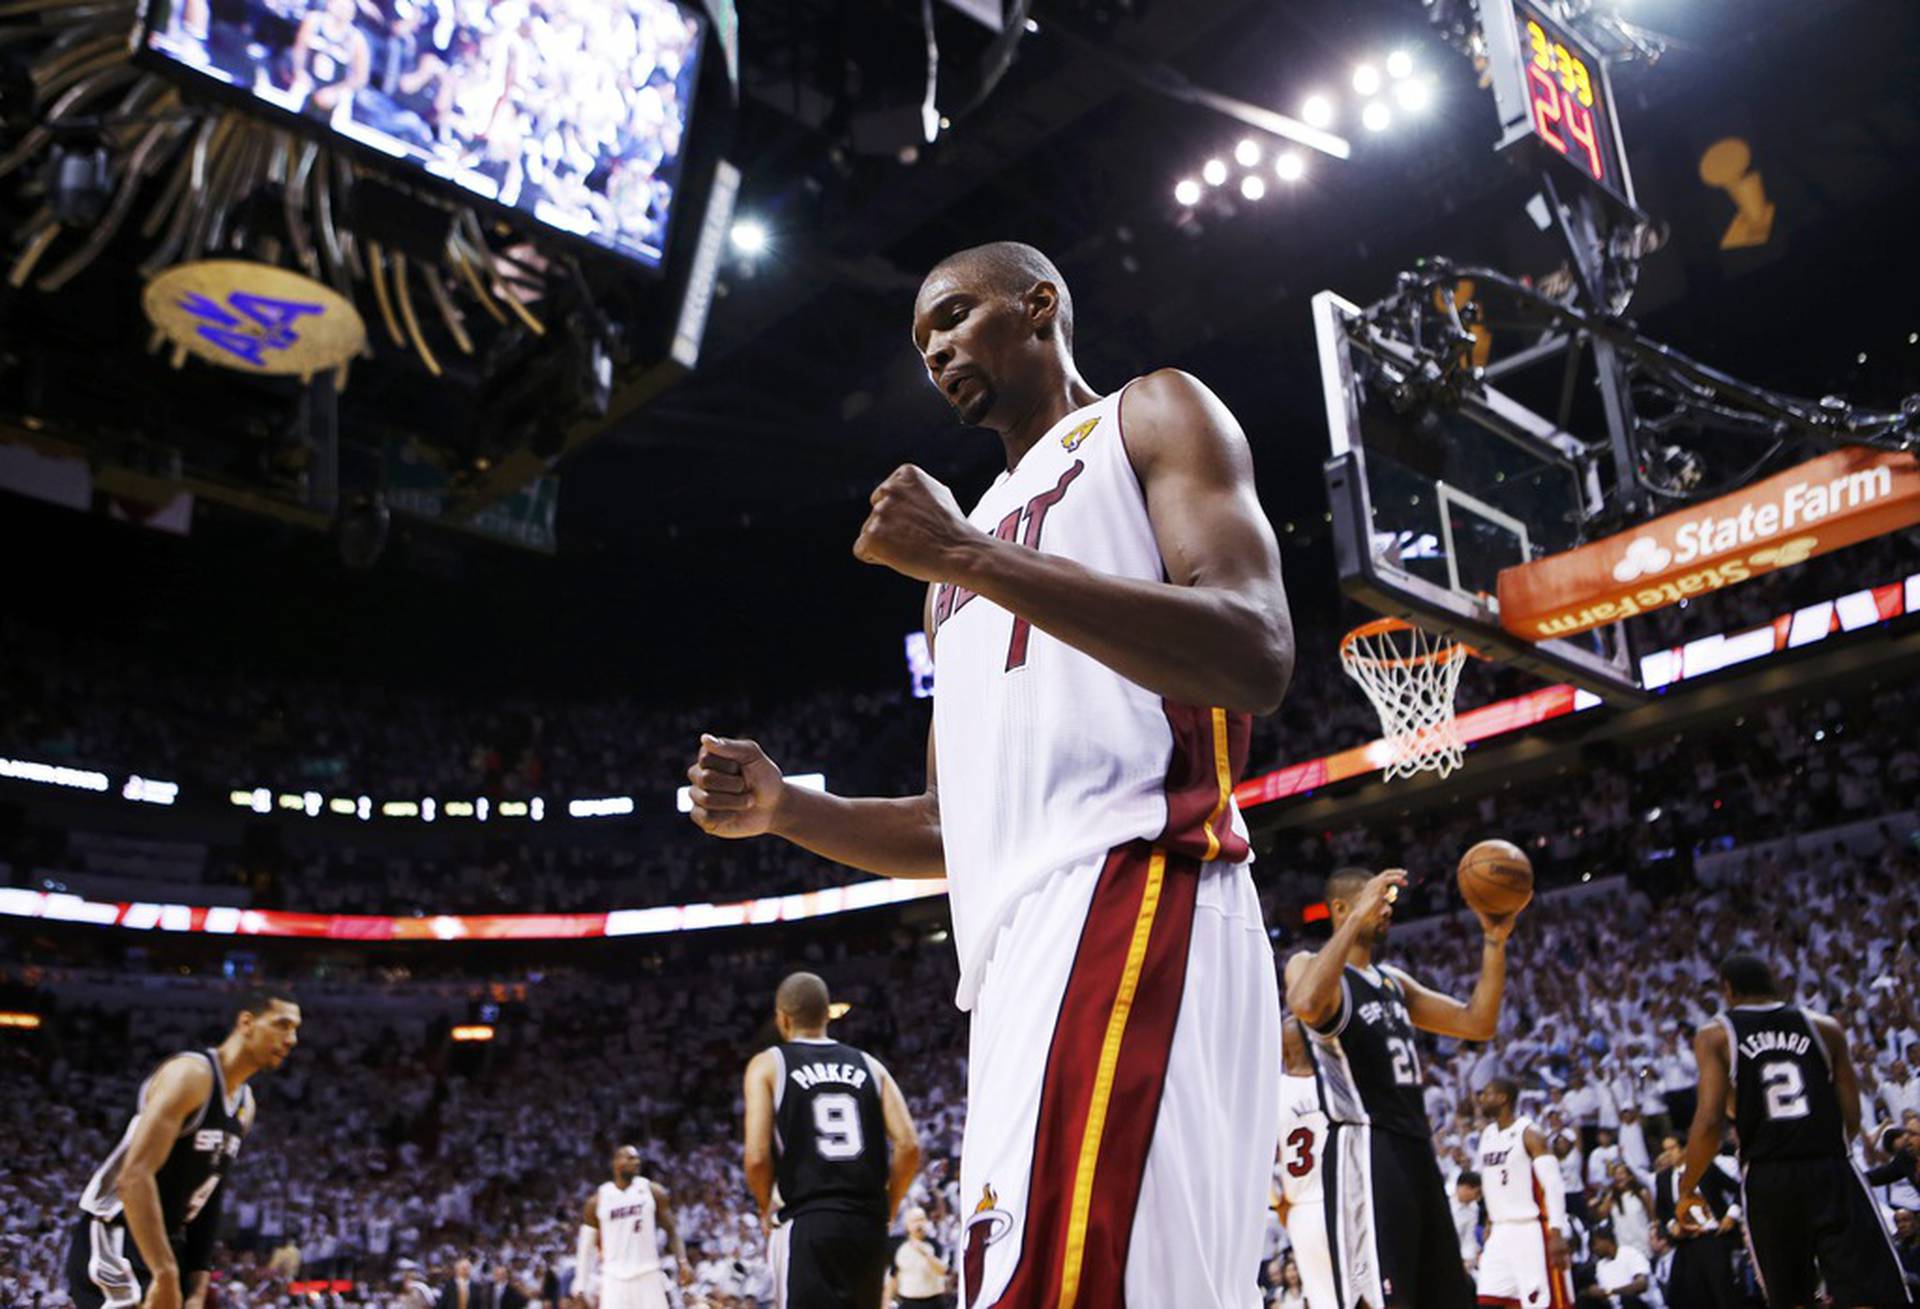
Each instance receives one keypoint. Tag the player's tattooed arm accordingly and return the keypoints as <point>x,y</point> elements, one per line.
<point>178,1090</point>
<point>663,1209</point>
<point>758,1160</point>
<point>1709,1128</point>
<point>1217,632</point>
<point>1478,1019</point>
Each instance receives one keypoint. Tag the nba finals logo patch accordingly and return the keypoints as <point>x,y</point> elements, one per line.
<point>1073,439</point>
<point>989,1223</point>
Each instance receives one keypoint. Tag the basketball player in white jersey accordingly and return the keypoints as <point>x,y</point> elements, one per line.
<point>1303,1140</point>
<point>1107,619</point>
<point>1524,1261</point>
<point>617,1239</point>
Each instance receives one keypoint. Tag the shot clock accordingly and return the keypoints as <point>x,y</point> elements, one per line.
<point>1554,96</point>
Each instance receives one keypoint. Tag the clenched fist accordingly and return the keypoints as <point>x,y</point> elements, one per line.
<point>735,787</point>
<point>915,527</point>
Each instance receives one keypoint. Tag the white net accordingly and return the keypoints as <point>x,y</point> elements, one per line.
<point>1410,676</point>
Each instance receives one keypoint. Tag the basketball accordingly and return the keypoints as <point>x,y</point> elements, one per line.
<point>1496,878</point>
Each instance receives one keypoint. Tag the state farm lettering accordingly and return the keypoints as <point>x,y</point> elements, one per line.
<point>1825,504</point>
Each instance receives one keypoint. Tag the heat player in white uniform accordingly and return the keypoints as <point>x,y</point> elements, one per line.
<point>1105,622</point>
<point>1525,1258</point>
<point>1303,1143</point>
<point>617,1241</point>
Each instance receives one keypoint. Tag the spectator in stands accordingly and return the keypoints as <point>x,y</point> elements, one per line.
<point>463,1292</point>
<point>1622,1276</point>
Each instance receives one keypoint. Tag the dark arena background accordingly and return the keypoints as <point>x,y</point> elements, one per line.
<point>422,420</point>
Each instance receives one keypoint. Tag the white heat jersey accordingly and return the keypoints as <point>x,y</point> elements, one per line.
<point>627,1244</point>
<point>1303,1139</point>
<point>1506,1174</point>
<point>1047,757</point>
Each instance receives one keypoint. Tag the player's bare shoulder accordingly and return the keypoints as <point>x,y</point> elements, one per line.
<point>1172,412</point>
<point>1297,963</point>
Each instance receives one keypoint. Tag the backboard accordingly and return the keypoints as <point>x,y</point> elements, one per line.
<point>1430,501</point>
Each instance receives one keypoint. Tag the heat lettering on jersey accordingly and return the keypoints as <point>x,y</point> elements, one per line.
<point>950,598</point>
<point>627,1211</point>
<point>812,1075</point>
<point>1036,519</point>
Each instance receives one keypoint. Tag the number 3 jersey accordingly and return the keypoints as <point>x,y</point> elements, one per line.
<point>830,1134</point>
<point>1047,757</point>
<point>1365,1058</point>
<point>1784,1104</point>
<point>208,1143</point>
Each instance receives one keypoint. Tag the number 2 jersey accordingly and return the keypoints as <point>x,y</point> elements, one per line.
<point>1365,1058</point>
<point>188,1179</point>
<point>1047,757</point>
<point>1784,1103</point>
<point>830,1134</point>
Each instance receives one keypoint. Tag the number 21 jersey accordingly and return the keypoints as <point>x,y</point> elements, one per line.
<point>1365,1058</point>
<point>830,1134</point>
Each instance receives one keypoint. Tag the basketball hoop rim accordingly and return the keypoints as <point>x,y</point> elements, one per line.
<point>1450,651</point>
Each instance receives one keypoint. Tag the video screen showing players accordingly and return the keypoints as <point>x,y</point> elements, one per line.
<point>572,111</point>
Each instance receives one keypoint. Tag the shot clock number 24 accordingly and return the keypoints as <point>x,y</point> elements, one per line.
<point>1561,91</point>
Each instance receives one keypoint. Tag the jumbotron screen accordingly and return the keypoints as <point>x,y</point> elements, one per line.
<point>574,112</point>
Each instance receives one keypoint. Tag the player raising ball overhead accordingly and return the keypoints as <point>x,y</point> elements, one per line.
<point>1389,1228</point>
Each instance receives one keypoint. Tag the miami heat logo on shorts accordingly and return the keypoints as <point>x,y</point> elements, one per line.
<point>1073,439</point>
<point>988,1224</point>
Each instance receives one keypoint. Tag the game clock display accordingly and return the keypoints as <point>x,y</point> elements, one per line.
<point>1567,100</point>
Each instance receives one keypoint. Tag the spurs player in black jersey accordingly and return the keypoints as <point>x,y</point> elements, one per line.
<point>831,1150</point>
<point>148,1216</point>
<point>1782,1074</point>
<point>1389,1227</point>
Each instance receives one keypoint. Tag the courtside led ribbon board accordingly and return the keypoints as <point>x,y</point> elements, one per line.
<point>1827,503</point>
<point>254,318</point>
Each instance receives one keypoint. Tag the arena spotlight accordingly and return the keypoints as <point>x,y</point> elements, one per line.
<point>1375,117</point>
<point>1366,79</point>
<point>1187,191</point>
<point>749,237</point>
<point>1253,186</point>
<point>1399,64</point>
<point>1247,153</point>
<point>1316,111</point>
<point>1290,167</point>
<point>1214,172</point>
<point>1414,96</point>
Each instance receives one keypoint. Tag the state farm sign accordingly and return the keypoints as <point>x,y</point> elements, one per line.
<point>1824,504</point>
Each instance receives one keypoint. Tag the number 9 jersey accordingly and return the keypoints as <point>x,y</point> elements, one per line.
<point>830,1135</point>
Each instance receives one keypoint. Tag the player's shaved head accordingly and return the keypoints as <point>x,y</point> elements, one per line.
<point>803,998</point>
<point>1009,268</point>
<point>1346,883</point>
<point>1505,1089</point>
<point>1748,975</point>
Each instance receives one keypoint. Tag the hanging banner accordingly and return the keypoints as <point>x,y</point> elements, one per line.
<point>1836,500</point>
